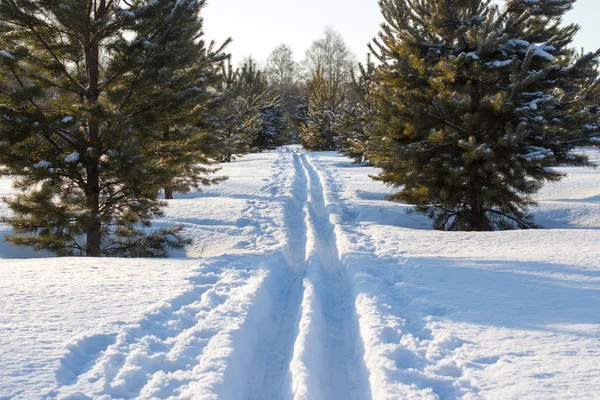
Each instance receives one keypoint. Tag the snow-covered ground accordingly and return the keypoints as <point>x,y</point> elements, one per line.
<point>305,283</point>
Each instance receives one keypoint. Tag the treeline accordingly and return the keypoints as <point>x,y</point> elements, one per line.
<point>320,94</point>
<point>305,99</point>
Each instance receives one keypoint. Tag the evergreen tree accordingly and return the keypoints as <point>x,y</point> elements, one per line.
<point>474,105</point>
<point>244,93</point>
<point>274,126</point>
<point>299,118</point>
<point>353,123</point>
<point>324,101</point>
<point>98,106</point>
<point>187,135</point>
<point>283,75</point>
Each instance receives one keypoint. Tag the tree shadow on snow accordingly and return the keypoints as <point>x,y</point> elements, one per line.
<point>409,295</point>
<point>534,296</point>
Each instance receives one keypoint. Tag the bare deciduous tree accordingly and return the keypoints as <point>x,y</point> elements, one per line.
<point>331,56</point>
<point>281,68</point>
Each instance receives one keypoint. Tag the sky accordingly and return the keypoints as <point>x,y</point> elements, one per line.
<point>258,26</point>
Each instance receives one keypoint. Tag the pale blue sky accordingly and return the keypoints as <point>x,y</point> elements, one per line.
<point>258,26</point>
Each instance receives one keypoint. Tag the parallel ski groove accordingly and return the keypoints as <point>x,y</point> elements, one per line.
<point>338,307</point>
<point>275,358</point>
<point>360,387</point>
<point>311,354</point>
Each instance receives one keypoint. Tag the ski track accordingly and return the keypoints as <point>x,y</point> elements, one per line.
<point>312,352</point>
<point>271,378</point>
<point>345,379</point>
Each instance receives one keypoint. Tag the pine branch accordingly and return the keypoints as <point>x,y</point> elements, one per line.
<point>41,40</point>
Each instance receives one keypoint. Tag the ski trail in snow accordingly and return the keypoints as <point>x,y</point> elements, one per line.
<point>268,326</point>
<point>271,379</point>
<point>345,378</point>
<point>326,361</point>
<point>313,351</point>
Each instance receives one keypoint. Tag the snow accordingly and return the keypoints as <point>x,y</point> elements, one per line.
<point>517,42</point>
<point>499,64</point>
<point>473,55</point>
<point>305,283</point>
<point>542,53</point>
<point>481,315</point>
<point>6,54</point>
<point>537,153</point>
<point>533,104</point>
<point>73,157</point>
<point>57,314</point>
<point>43,164</point>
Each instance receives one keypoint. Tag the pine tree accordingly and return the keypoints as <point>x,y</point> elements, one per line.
<point>244,93</point>
<point>324,101</point>
<point>353,123</point>
<point>99,108</point>
<point>187,135</point>
<point>299,118</point>
<point>474,105</point>
<point>274,126</point>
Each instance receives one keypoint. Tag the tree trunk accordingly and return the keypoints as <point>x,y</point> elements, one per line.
<point>94,228</point>
<point>475,97</point>
<point>478,219</point>
<point>168,191</point>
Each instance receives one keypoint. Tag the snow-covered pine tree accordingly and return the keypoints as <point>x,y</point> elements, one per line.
<point>243,94</point>
<point>97,103</point>
<point>540,22</point>
<point>324,101</point>
<point>187,137</point>
<point>274,126</point>
<point>475,104</point>
<point>353,121</point>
